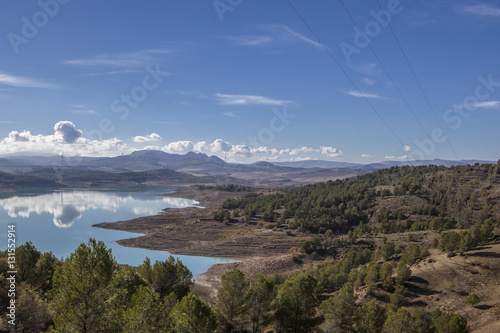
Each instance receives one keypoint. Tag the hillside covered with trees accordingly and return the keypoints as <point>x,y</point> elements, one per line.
<point>390,200</point>
<point>354,278</point>
<point>89,292</point>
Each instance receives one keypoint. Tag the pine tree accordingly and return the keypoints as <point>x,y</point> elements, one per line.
<point>372,317</point>
<point>403,273</point>
<point>397,298</point>
<point>83,297</point>
<point>147,313</point>
<point>295,304</point>
<point>339,310</point>
<point>261,295</point>
<point>192,314</point>
<point>232,300</point>
<point>33,314</point>
<point>399,322</point>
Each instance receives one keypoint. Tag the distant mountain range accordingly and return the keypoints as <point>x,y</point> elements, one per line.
<point>137,161</point>
<point>199,164</point>
<point>145,160</point>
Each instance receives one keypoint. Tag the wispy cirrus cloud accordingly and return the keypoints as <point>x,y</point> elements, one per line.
<point>371,69</point>
<point>249,40</point>
<point>360,94</point>
<point>272,34</point>
<point>24,82</point>
<point>192,94</point>
<point>230,114</point>
<point>81,111</point>
<point>368,81</point>
<point>422,18</point>
<point>125,71</point>
<point>227,99</point>
<point>481,10</point>
<point>166,122</point>
<point>301,37</point>
<point>487,104</point>
<point>128,59</point>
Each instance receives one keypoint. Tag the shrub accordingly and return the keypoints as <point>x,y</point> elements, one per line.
<point>472,299</point>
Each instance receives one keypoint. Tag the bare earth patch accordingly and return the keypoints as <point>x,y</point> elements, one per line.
<point>446,282</point>
<point>192,231</point>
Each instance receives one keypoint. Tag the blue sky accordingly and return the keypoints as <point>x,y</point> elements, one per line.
<point>252,80</point>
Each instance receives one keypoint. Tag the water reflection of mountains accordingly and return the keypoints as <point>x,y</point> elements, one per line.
<point>69,206</point>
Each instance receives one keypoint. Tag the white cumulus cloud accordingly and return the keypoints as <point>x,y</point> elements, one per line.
<point>66,132</point>
<point>297,151</point>
<point>147,138</point>
<point>241,151</point>
<point>330,151</point>
<point>397,158</point>
<point>179,147</point>
<point>200,146</point>
<point>220,145</point>
<point>67,140</point>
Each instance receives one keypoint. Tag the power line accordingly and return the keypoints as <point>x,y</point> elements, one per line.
<point>416,79</point>
<point>389,76</point>
<point>347,75</point>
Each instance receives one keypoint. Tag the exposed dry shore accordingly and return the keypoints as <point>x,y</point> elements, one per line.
<point>192,231</point>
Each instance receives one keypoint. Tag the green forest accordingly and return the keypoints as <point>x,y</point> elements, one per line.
<point>90,292</point>
<point>436,198</point>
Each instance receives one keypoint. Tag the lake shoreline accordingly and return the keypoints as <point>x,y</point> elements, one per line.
<point>192,231</point>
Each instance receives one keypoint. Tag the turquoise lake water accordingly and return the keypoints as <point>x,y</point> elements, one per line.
<point>59,221</point>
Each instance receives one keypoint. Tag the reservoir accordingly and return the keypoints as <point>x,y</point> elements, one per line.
<point>58,221</point>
